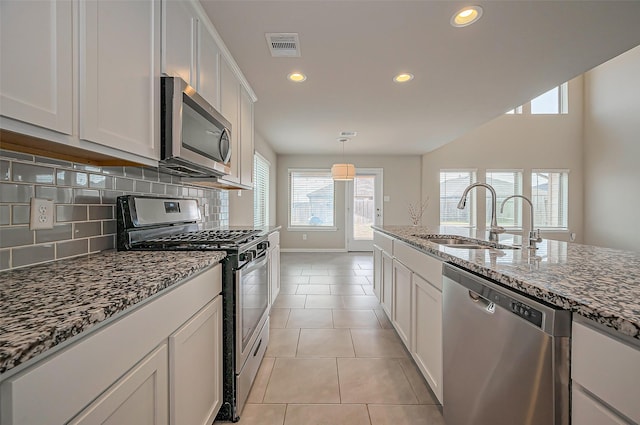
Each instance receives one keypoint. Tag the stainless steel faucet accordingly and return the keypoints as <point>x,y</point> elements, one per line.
<point>534,236</point>
<point>495,229</point>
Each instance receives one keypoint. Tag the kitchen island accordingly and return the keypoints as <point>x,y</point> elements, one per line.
<point>600,284</point>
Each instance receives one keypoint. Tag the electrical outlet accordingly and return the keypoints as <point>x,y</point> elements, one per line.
<point>304,236</point>
<point>206,210</point>
<point>41,216</point>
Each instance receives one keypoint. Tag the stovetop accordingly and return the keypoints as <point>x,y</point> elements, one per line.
<point>203,240</point>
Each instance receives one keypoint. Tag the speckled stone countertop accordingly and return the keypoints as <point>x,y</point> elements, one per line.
<point>600,284</point>
<point>44,305</point>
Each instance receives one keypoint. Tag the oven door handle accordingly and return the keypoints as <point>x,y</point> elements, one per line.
<point>254,263</point>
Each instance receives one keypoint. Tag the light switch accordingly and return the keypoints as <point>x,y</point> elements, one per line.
<point>387,199</point>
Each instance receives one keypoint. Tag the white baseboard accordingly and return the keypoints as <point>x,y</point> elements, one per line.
<point>312,250</point>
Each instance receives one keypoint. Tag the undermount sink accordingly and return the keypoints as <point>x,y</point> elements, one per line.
<point>463,243</point>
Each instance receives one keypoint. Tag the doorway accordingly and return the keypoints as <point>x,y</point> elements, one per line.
<point>364,208</point>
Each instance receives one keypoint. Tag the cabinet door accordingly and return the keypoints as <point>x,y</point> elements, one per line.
<point>230,108</point>
<point>179,40</point>
<point>587,411</point>
<point>401,311</point>
<point>427,332</point>
<point>275,272</point>
<point>138,398</point>
<point>36,73</point>
<point>246,138</point>
<point>119,71</point>
<point>195,367</point>
<point>387,281</point>
<point>208,73</point>
<point>377,272</point>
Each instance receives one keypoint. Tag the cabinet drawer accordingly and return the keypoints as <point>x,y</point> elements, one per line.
<point>424,265</point>
<point>607,368</point>
<point>587,411</point>
<point>383,241</point>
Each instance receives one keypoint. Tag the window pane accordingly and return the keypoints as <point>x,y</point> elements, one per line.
<point>363,207</point>
<point>547,103</point>
<point>311,198</point>
<point>260,191</point>
<point>549,194</point>
<point>506,183</point>
<point>452,185</point>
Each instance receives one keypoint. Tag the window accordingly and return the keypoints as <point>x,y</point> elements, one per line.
<point>549,195</point>
<point>261,190</point>
<point>311,199</point>
<point>506,183</point>
<point>452,185</point>
<point>553,102</point>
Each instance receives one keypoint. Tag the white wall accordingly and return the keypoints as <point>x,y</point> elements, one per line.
<point>241,201</point>
<point>521,142</point>
<point>612,153</point>
<point>401,182</point>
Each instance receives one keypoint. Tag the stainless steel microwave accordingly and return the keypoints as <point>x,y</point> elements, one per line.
<point>195,138</point>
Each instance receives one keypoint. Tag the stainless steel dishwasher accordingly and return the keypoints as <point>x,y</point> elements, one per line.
<point>506,356</point>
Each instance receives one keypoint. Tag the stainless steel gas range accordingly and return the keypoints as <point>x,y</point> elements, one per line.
<point>158,224</point>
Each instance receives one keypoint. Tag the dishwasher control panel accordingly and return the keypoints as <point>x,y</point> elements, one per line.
<point>527,312</point>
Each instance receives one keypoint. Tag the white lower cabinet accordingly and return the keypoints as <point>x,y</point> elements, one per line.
<point>138,398</point>
<point>427,332</point>
<point>377,271</point>
<point>401,310</point>
<point>387,283</point>
<point>605,372</point>
<point>274,266</point>
<point>408,284</point>
<point>196,391</point>
<point>585,410</point>
<point>123,372</point>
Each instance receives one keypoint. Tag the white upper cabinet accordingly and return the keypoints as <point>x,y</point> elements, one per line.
<point>230,108</point>
<point>246,138</point>
<point>36,78</point>
<point>119,66</point>
<point>208,74</point>
<point>179,40</point>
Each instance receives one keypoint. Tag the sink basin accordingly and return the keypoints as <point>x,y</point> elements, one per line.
<point>463,243</point>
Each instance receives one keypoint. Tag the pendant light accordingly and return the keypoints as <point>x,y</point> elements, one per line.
<point>344,171</point>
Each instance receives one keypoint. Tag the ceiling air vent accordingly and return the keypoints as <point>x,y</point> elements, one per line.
<point>283,45</point>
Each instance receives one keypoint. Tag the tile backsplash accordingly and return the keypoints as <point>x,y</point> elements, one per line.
<point>85,198</point>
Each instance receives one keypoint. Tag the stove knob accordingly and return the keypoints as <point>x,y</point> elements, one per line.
<point>247,256</point>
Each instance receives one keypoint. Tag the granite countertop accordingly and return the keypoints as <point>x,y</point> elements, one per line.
<point>600,284</point>
<point>44,305</point>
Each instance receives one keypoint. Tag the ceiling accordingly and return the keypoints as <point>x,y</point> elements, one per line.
<point>464,77</point>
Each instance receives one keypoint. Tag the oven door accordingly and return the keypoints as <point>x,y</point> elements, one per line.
<point>252,305</point>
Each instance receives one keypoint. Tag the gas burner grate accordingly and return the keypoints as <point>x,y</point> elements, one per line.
<point>208,237</point>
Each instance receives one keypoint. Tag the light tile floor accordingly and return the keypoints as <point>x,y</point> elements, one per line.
<point>333,356</point>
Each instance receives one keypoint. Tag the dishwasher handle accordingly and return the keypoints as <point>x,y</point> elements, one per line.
<point>482,302</point>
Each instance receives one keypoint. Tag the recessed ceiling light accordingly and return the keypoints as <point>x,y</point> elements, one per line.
<point>466,16</point>
<point>403,78</point>
<point>297,77</point>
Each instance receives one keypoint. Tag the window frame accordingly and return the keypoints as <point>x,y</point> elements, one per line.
<point>518,201</point>
<point>566,192</point>
<point>257,157</point>
<point>563,103</point>
<point>307,228</point>
<point>471,198</point>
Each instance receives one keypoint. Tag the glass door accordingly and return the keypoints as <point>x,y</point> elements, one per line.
<point>364,208</point>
